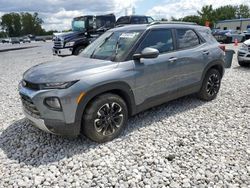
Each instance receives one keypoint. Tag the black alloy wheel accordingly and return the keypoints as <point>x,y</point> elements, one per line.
<point>108,118</point>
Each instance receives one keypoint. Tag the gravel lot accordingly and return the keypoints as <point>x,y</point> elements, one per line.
<point>184,143</point>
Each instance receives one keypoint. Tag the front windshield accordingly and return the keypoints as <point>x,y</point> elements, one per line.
<point>112,45</point>
<point>78,25</point>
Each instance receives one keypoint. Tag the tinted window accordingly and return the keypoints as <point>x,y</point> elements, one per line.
<point>150,19</point>
<point>187,38</point>
<point>158,39</point>
<point>139,20</point>
<point>207,35</point>
<point>123,20</point>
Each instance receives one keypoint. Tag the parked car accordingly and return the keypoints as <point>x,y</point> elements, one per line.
<point>244,53</point>
<point>6,40</point>
<point>247,34</point>
<point>134,19</point>
<point>229,36</point>
<point>26,39</point>
<point>123,72</point>
<point>15,40</point>
<point>40,38</point>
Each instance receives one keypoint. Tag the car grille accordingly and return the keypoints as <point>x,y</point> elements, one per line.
<point>29,106</point>
<point>58,43</point>
<point>241,54</point>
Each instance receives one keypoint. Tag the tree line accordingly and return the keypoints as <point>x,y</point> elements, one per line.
<point>208,13</point>
<point>21,24</point>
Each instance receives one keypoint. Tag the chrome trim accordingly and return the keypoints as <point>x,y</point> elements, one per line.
<point>39,123</point>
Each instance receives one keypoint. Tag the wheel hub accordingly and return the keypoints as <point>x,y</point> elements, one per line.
<point>109,118</point>
<point>213,85</point>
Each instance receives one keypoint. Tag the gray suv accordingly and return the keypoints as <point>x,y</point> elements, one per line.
<point>125,71</point>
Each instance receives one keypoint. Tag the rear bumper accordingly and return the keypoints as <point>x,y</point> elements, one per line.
<point>62,51</point>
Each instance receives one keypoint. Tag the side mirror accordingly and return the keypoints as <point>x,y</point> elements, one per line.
<point>147,53</point>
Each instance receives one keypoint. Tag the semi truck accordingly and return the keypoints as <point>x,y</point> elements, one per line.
<point>85,29</point>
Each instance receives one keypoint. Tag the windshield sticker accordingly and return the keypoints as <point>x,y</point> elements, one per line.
<point>129,35</point>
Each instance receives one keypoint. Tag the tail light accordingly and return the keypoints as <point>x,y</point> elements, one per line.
<point>223,47</point>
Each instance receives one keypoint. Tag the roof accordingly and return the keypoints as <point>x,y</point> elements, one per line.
<point>131,27</point>
<point>234,20</point>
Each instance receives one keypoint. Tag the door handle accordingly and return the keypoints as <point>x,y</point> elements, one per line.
<point>172,59</point>
<point>206,52</point>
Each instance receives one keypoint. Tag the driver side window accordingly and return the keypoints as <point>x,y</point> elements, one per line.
<point>161,40</point>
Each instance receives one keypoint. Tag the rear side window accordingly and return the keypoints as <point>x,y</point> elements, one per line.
<point>187,38</point>
<point>150,19</point>
<point>161,40</point>
<point>207,35</point>
<point>139,20</point>
<point>123,20</point>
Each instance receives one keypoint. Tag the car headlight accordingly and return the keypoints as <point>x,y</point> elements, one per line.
<point>68,44</point>
<point>244,47</point>
<point>57,85</point>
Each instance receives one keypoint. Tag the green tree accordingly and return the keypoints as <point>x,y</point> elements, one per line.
<point>207,14</point>
<point>192,18</point>
<point>7,24</point>
<point>225,12</point>
<point>242,11</point>
<point>17,26</point>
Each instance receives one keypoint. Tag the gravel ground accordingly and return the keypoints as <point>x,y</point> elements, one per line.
<point>184,143</point>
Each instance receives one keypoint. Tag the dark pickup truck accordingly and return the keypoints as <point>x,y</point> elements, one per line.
<point>86,29</point>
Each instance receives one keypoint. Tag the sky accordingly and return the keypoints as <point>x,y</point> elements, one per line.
<point>57,14</point>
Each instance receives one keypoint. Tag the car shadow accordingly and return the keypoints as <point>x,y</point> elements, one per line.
<point>26,144</point>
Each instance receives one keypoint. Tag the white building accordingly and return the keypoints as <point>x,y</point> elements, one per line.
<point>235,24</point>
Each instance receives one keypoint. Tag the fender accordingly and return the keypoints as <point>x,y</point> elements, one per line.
<point>81,42</point>
<point>219,62</point>
<point>120,88</point>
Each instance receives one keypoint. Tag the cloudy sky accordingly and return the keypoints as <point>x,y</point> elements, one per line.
<point>57,14</point>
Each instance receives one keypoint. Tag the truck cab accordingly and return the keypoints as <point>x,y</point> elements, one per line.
<point>134,19</point>
<point>85,29</point>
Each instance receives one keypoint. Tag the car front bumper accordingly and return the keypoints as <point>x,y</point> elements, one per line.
<point>55,122</point>
<point>62,51</point>
<point>243,56</point>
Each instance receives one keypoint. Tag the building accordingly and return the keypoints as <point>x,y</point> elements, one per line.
<point>235,24</point>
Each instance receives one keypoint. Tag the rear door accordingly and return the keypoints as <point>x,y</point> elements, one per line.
<point>192,55</point>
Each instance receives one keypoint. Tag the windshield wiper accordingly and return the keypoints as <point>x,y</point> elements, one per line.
<point>116,48</point>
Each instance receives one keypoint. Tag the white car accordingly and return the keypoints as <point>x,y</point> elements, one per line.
<point>244,53</point>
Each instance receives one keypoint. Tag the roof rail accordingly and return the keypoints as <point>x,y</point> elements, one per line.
<point>171,22</point>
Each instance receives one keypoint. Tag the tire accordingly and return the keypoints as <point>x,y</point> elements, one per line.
<point>78,50</point>
<point>210,85</point>
<point>105,118</point>
<point>242,63</point>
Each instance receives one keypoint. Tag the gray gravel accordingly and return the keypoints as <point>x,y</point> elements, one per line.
<point>184,143</point>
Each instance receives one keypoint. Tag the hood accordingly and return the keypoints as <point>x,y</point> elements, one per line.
<point>71,35</point>
<point>68,69</point>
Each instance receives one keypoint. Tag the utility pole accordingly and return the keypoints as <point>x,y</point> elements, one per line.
<point>133,11</point>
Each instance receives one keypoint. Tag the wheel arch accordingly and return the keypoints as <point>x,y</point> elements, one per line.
<point>121,89</point>
<point>217,64</point>
<point>78,43</point>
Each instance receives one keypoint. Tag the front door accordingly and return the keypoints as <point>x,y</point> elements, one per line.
<point>159,75</point>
